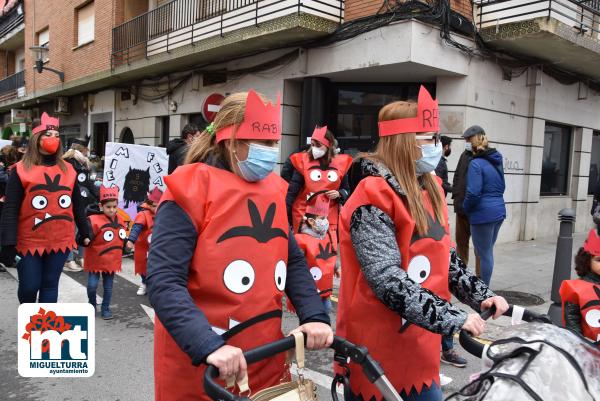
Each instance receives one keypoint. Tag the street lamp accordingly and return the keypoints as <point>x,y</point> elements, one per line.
<point>40,52</point>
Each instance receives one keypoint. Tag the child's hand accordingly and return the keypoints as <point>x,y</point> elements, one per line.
<point>129,245</point>
<point>86,242</point>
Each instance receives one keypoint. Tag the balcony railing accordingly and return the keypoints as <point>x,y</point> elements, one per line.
<point>9,86</point>
<point>10,21</point>
<point>185,22</point>
<point>582,15</point>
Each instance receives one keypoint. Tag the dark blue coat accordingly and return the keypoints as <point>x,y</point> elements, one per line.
<point>484,198</point>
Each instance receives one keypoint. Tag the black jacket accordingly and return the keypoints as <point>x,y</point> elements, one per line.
<point>596,206</point>
<point>288,168</point>
<point>176,149</point>
<point>442,171</point>
<point>459,182</point>
<point>89,192</point>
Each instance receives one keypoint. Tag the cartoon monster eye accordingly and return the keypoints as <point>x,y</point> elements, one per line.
<point>239,276</point>
<point>122,233</point>
<point>39,202</point>
<point>280,275</point>
<point>315,175</point>
<point>108,236</point>
<point>316,273</point>
<point>419,269</point>
<point>64,201</point>
<point>149,238</point>
<point>332,176</point>
<point>593,318</point>
<point>81,177</point>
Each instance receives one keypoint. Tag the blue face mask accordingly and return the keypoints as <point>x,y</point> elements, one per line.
<point>468,146</point>
<point>260,162</point>
<point>431,158</point>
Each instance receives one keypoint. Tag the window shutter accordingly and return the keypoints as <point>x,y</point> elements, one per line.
<point>85,27</point>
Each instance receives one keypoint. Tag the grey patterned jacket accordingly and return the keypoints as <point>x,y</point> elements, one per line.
<point>372,233</point>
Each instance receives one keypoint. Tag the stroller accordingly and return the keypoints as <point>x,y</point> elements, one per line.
<point>345,351</point>
<point>536,361</point>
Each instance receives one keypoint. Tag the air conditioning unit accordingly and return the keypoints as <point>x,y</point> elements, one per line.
<point>61,106</point>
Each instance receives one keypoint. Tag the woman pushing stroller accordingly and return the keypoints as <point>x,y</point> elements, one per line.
<point>399,266</point>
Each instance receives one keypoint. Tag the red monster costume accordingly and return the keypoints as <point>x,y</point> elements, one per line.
<point>142,245</point>
<point>319,177</point>
<point>238,272</point>
<point>46,221</point>
<point>103,254</point>
<point>410,355</point>
<point>585,294</point>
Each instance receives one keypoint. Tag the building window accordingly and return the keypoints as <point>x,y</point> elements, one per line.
<point>85,24</point>
<point>594,184</point>
<point>556,159</point>
<point>43,39</point>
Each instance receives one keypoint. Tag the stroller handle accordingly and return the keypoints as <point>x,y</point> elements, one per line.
<point>357,354</point>
<point>476,348</point>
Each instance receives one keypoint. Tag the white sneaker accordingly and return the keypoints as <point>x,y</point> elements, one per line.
<point>72,267</point>
<point>79,262</point>
<point>142,290</point>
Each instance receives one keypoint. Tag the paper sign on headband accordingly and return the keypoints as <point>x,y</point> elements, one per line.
<point>261,121</point>
<point>592,243</point>
<point>319,135</point>
<point>47,123</point>
<point>109,193</point>
<point>427,119</point>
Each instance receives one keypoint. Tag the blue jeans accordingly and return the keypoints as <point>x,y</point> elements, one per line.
<point>143,276</point>
<point>484,237</point>
<point>327,304</point>
<point>92,286</point>
<point>40,274</point>
<point>79,253</point>
<point>447,343</point>
<point>433,393</point>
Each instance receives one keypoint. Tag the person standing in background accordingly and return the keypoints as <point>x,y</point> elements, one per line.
<point>177,148</point>
<point>442,168</point>
<point>459,186</point>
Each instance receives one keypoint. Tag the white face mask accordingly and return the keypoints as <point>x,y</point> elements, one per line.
<point>468,146</point>
<point>318,152</point>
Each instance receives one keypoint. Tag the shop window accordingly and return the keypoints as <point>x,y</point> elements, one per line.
<point>594,183</point>
<point>556,159</point>
<point>85,24</point>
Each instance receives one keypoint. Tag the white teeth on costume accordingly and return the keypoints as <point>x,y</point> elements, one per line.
<point>36,221</point>
<point>218,330</point>
<point>47,216</point>
<point>232,324</point>
<point>309,195</point>
<point>598,338</point>
<point>403,322</point>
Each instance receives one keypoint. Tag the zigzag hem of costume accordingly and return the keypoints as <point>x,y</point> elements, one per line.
<point>418,389</point>
<point>100,270</point>
<point>40,250</point>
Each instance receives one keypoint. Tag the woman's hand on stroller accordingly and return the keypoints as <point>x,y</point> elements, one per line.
<point>318,335</point>
<point>474,324</point>
<point>230,361</point>
<point>497,301</point>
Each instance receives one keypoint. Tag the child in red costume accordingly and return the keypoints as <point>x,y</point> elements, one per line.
<point>140,235</point>
<point>104,253</point>
<point>315,242</point>
<point>581,297</point>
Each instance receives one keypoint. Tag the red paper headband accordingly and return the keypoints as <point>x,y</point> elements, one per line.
<point>47,123</point>
<point>319,206</point>
<point>261,121</point>
<point>109,193</point>
<point>426,120</point>
<point>319,135</point>
<point>592,243</point>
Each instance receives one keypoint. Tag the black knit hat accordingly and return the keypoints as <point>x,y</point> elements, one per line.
<point>472,131</point>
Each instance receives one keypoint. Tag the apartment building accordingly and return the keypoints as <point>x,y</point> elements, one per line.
<point>137,71</point>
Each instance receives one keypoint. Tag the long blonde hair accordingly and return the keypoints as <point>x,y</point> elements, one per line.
<point>33,157</point>
<point>479,143</point>
<point>398,153</point>
<point>205,144</point>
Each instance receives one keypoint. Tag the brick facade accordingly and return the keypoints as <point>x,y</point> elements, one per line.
<point>61,19</point>
<point>362,8</point>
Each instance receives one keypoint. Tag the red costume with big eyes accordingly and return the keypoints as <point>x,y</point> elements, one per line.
<point>319,178</point>
<point>237,273</point>
<point>321,258</point>
<point>46,217</point>
<point>142,245</point>
<point>408,354</point>
<point>587,296</point>
<point>104,254</point>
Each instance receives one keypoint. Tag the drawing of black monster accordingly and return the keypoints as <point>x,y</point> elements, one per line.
<point>136,186</point>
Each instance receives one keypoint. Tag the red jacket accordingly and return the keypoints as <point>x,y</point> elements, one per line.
<point>236,276</point>
<point>104,254</point>
<point>142,245</point>
<point>408,354</point>
<point>46,221</point>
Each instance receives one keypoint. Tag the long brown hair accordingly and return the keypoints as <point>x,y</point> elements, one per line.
<point>330,149</point>
<point>33,157</point>
<point>205,144</point>
<point>398,153</point>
